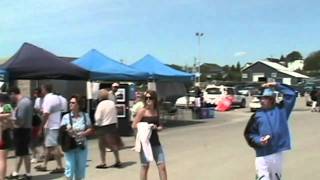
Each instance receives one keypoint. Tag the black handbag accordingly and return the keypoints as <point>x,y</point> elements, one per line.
<point>66,141</point>
<point>36,120</point>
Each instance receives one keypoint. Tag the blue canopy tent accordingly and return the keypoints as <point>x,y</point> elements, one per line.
<point>159,71</point>
<point>102,67</point>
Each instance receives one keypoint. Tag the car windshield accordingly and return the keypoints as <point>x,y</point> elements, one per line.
<point>213,91</point>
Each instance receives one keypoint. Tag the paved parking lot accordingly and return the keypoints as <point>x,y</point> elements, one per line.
<point>215,149</point>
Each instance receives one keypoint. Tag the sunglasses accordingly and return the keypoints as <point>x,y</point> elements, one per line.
<point>149,97</point>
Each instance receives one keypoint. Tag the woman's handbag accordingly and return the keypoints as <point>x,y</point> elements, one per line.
<point>66,141</point>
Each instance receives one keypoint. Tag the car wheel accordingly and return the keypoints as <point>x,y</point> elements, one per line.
<point>243,103</point>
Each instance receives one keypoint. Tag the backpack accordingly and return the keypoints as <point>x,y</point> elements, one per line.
<point>251,128</point>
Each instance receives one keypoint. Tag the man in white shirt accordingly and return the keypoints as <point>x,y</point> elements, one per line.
<point>112,93</point>
<point>51,112</point>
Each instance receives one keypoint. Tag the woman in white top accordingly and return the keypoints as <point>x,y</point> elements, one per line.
<point>106,128</point>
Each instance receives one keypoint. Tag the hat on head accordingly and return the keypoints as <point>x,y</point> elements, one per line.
<point>115,85</point>
<point>268,92</point>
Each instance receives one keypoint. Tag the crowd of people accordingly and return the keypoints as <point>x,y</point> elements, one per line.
<point>47,127</point>
<point>53,127</point>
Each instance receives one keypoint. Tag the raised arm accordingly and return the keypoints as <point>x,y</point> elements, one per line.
<point>289,95</point>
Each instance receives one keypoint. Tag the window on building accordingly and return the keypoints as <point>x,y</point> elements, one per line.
<point>274,75</point>
<point>244,75</point>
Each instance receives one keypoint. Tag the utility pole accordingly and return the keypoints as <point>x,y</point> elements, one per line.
<point>198,62</point>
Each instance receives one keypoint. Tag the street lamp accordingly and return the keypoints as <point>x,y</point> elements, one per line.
<point>199,35</point>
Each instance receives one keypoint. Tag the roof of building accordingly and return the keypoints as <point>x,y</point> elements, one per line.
<point>279,68</point>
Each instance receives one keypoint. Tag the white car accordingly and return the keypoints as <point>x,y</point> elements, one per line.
<point>182,101</point>
<point>213,94</point>
<point>254,105</point>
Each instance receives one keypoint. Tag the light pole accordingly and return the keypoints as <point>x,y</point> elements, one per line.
<point>199,35</point>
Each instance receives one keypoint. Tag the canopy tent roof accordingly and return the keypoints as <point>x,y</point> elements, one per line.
<point>32,62</point>
<point>159,71</point>
<point>102,67</point>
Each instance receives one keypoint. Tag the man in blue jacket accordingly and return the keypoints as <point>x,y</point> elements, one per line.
<point>268,132</point>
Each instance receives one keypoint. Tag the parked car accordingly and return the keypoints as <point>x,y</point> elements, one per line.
<point>213,94</point>
<point>181,102</point>
<point>248,90</point>
<point>255,104</point>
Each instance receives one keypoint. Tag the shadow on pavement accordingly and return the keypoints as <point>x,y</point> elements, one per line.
<point>47,176</point>
<point>127,164</point>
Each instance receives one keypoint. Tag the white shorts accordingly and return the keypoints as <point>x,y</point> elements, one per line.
<point>269,167</point>
<point>51,137</point>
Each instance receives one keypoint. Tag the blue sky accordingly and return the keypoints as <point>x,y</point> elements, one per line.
<point>234,30</point>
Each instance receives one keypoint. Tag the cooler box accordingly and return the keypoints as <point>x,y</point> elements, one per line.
<point>206,113</point>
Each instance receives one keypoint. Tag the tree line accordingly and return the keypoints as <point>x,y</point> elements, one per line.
<point>233,72</point>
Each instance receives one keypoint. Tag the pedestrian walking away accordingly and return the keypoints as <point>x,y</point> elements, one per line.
<point>150,114</point>
<point>267,130</point>
<point>22,132</point>
<point>78,125</point>
<point>106,129</point>
<point>51,114</point>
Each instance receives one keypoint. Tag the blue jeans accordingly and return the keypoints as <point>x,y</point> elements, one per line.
<point>76,162</point>
<point>158,156</point>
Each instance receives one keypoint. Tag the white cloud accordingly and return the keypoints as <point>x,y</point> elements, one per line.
<point>240,54</point>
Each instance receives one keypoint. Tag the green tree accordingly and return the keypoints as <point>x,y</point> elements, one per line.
<point>312,62</point>
<point>233,68</point>
<point>282,58</point>
<point>238,67</point>
<point>294,55</point>
<point>177,67</point>
<point>226,68</point>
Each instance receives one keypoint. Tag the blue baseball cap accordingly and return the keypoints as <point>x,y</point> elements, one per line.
<point>268,92</point>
